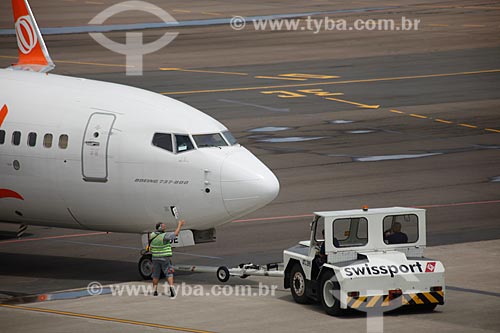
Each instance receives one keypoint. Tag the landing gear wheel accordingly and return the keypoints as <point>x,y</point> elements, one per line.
<point>223,274</point>
<point>146,266</point>
<point>298,284</point>
<point>330,294</point>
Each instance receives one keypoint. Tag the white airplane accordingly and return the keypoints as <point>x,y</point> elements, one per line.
<point>84,154</point>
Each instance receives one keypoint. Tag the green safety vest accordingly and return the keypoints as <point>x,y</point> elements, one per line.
<point>158,248</point>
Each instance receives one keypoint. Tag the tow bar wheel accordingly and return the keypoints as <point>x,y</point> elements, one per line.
<point>223,274</point>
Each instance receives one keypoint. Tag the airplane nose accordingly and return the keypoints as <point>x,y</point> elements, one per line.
<point>246,183</point>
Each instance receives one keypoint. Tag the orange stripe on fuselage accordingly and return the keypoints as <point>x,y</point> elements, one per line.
<point>3,113</point>
<point>4,193</point>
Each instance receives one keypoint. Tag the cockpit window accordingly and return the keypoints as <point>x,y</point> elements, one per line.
<point>183,143</point>
<point>163,141</point>
<point>209,140</point>
<point>230,138</point>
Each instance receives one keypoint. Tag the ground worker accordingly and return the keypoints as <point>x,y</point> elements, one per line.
<point>161,250</point>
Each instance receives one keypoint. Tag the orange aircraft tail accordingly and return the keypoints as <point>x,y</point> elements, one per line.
<point>33,54</point>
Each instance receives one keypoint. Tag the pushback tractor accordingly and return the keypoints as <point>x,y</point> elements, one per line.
<point>365,259</point>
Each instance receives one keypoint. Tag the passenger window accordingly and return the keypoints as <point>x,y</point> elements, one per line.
<point>230,138</point>
<point>350,232</point>
<point>47,140</point>
<point>400,229</point>
<point>209,140</point>
<point>183,143</point>
<point>32,139</point>
<point>163,141</point>
<point>2,137</point>
<point>16,138</point>
<point>63,141</point>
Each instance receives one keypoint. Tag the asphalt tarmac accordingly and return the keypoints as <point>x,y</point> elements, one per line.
<point>343,118</point>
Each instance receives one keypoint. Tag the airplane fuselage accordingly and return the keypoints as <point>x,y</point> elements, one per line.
<point>93,155</point>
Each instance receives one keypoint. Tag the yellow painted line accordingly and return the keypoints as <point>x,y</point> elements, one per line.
<point>283,94</point>
<point>181,11</point>
<point>397,111</point>
<point>387,301</point>
<point>398,78</point>
<point>320,92</point>
<point>358,302</point>
<point>212,14</point>
<point>365,106</point>
<point>373,301</point>
<point>77,62</point>
<point>438,25</point>
<point>111,319</point>
<point>492,130</point>
<point>202,71</point>
<point>473,25</point>
<point>443,121</point>
<point>280,78</point>
<point>441,293</point>
<point>310,76</point>
<point>431,298</point>
<point>467,125</point>
<point>418,116</point>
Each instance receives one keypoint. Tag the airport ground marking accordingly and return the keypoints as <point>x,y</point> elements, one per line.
<point>443,121</point>
<point>174,69</point>
<point>52,237</point>
<point>363,106</point>
<point>467,125</point>
<point>283,94</point>
<point>414,115</point>
<point>310,76</point>
<point>315,84</point>
<point>473,25</point>
<point>109,319</point>
<point>289,217</point>
<point>320,92</point>
<point>77,62</point>
<point>211,13</point>
<point>279,78</point>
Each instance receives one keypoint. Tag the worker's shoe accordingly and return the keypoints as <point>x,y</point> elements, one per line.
<point>155,293</point>
<point>172,292</point>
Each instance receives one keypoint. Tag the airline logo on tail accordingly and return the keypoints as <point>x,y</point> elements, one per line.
<point>33,54</point>
<point>26,34</point>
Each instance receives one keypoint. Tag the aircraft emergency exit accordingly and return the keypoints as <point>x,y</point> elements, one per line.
<point>84,154</point>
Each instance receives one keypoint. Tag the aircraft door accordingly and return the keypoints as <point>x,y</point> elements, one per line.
<point>95,147</point>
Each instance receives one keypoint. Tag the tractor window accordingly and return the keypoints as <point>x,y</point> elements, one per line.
<point>183,143</point>
<point>400,229</point>
<point>350,232</point>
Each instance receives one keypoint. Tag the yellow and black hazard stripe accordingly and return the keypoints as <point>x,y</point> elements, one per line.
<point>366,302</point>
